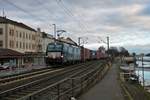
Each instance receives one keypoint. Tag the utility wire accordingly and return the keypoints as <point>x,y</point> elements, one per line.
<point>69,10</point>
<point>70,14</point>
<point>16,6</point>
<point>47,9</point>
<point>23,10</point>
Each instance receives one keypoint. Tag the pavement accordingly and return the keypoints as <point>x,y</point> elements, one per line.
<point>107,89</point>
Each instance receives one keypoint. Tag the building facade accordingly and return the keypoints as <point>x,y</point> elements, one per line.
<point>47,38</point>
<point>18,36</point>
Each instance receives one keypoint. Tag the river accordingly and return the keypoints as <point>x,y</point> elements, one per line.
<point>146,66</point>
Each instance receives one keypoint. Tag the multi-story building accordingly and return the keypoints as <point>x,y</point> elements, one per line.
<point>18,36</point>
<point>26,40</point>
<point>47,38</point>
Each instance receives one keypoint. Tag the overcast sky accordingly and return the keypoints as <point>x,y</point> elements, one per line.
<point>126,22</point>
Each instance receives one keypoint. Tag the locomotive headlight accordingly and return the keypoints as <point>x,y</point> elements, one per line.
<point>62,56</point>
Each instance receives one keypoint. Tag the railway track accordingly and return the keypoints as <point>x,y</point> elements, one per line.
<point>12,78</point>
<point>39,83</point>
<point>6,84</point>
<point>15,81</point>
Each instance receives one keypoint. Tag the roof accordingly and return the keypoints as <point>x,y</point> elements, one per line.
<point>8,21</point>
<point>67,40</point>
<point>46,35</point>
<point>8,53</point>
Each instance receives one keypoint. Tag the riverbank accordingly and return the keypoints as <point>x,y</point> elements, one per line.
<point>131,89</point>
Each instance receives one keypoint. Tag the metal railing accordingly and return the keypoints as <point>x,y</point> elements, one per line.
<point>69,87</point>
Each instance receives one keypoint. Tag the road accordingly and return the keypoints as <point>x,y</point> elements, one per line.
<point>107,89</point>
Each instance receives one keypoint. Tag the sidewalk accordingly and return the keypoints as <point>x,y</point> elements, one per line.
<point>107,89</point>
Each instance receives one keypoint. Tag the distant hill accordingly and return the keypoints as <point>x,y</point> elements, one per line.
<point>147,54</point>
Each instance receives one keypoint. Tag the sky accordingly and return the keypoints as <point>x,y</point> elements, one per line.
<point>125,22</point>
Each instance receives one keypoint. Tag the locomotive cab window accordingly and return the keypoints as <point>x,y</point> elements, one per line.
<point>55,47</point>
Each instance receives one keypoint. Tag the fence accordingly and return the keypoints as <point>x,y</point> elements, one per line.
<point>69,87</point>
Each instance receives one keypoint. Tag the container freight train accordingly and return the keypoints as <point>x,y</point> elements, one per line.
<point>61,52</point>
<point>65,53</point>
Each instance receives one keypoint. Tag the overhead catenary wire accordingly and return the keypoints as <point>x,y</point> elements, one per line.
<point>82,28</point>
<point>69,12</point>
<point>25,11</point>
<point>50,13</point>
<point>48,10</point>
<point>74,15</point>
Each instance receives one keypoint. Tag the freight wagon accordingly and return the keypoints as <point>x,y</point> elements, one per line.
<point>64,53</point>
<point>100,54</point>
<point>85,54</point>
<point>93,55</point>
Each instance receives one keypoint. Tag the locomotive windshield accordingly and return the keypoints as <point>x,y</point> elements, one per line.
<point>54,47</point>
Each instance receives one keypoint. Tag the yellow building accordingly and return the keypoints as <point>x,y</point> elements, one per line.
<point>19,37</point>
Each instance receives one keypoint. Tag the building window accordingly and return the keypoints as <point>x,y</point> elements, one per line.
<point>13,44</point>
<point>1,43</point>
<point>20,45</point>
<point>17,44</point>
<point>29,36</point>
<point>33,46</point>
<point>20,35</point>
<point>1,31</point>
<point>10,43</point>
<point>26,45</point>
<point>23,35</point>
<point>17,33</point>
<point>29,46</point>
<point>23,45</point>
<point>12,32</point>
<point>33,37</point>
<point>26,36</point>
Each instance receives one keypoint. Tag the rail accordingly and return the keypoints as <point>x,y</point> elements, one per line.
<point>69,87</point>
<point>30,84</point>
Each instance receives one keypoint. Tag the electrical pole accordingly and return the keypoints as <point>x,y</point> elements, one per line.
<point>79,40</point>
<point>107,43</point>
<point>3,12</point>
<point>55,31</point>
